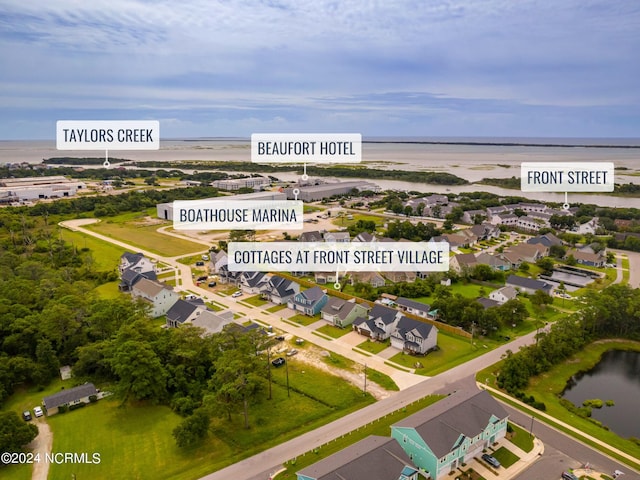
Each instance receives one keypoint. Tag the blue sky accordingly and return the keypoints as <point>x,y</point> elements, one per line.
<point>568,68</point>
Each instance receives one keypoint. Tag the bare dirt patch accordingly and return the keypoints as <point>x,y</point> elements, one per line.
<point>314,356</point>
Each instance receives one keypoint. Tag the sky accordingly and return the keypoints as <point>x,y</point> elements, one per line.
<point>207,68</point>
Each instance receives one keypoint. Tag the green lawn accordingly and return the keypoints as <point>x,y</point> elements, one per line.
<point>276,308</point>
<point>336,360</point>
<point>108,290</point>
<point>385,381</point>
<point>505,457</point>
<point>146,237</point>
<point>255,301</point>
<point>373,347</point>
<point>303,319</point>
<point>135,441</point>
<point>333,331</point>
<point>106,255</point>
<point>453,351</point>
<point>521,438</point>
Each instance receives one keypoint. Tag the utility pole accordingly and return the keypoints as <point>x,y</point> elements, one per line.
<point>531,428</point>
<point>286,366</point>
<point>364,392</point>
<point>269,368</point>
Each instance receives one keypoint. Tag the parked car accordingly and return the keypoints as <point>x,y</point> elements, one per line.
<point>37,411</point>
<point>280,338</point>
<point>237,294</point>
<point>199,264</point>
<point>26,415</point>
<point>292,352</point>
<point>491,460</point>
<point>205,257</point>
<point>278,362</point>
<point>569,476</point>
<point>203,278</point>
<point>212,284</point>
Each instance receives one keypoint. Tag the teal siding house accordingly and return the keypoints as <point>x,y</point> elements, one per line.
<point>453,431</point>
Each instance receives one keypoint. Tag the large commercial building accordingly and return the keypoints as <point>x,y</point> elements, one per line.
<point>312,193</point>
<point>165,210</point>
<point>34,188</point>
<point>237,183</point>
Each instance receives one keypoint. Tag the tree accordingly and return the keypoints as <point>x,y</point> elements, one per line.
<point>192,429</point>
<point>546,264</point>
<point>540,299</point>
<point>48,364</point>
<point>15,433</point>
<point>557,251</point>
<point>408,210</point>
<point>139,371</point>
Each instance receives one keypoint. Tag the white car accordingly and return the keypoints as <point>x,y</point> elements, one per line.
<point>37,411</point>
<point>237,294</point>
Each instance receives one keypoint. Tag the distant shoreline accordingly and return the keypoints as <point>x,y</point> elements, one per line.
<point>500,144</point>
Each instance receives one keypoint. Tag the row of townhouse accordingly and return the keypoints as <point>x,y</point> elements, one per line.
<point>537,215</point>
<point>430,444</point>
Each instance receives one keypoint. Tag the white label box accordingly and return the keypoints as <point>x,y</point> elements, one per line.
<point>108,135</point>
<point>306,148</point>
<point>337,256</point>
<point>226,214</point>
<point>567,177</point>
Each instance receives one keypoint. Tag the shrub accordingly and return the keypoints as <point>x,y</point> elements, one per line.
<point>93,398</point>
<point>77,406</point>
<point>62,408</point>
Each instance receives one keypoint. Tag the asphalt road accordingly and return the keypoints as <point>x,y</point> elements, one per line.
<point>562,452</point>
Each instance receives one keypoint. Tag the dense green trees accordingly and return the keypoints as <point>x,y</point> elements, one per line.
<point>14,432</point>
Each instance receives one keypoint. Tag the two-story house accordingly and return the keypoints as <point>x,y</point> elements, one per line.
<point>451,432</point>
<point>280,290</point>
<point>413,336</point>
<point>309,302</point>
<point>379,324</point>
<point>341,313</point>
<point>160,297</point>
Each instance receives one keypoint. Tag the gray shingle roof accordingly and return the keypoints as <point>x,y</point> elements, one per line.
<point>466,412</point>
<point>406,302</point>
<point>69,395</point>
<point>182,309</point>
<point>386,314</point>
<point>374,458</point>
<point>524,282</point>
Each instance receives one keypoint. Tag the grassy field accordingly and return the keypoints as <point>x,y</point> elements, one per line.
<point>521,438</point>
<point>135,441</point>
<point>453,351</point>
<point>276,308</point>
<point>106,255</point>
<point>146,237</point>
<point>108,290</point>
<point>255,301</point>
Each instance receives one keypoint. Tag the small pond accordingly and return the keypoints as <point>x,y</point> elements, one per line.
<point>616,377</point>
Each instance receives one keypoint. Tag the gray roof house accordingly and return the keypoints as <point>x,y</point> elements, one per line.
<point>309,302</point>
<point>212,322</point>
<point>253,282</point>
<point>129,277</point>
<point>414,336</point>
<point>313,236</point>
<point>411,306</point>
<point>341,313</point>
<point>379,324</point>
<point>185,311</point>
<point>528,285</point>
<point>374,458</point>
<point>69,396</point>
<point>280,290</point>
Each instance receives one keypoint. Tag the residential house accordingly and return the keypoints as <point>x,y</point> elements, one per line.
<point>364,237</point>
<point>341,313</point>
<point>487,302</point>
<point>313,236</point>
<point>413,336</point>
<point>484,231</point>
<point>339,237</point>
<point>528,285</point>
<point>531,207</point>
<point>280,290</point>
<point>69,396</point>
<point>548,240</point>
<point>322,278</point>
<point>374,458</point>
<point>136,262</point>
<point>494,261</point>
<point>589,227</point>
<point>379,324</point>
<point>309,302</point>
<point>530,223</point>
<point>463,262</point>
<point>529,252</point>
<point>508,219</point>
<point>411,306</point>
<point>227,276</point>
<point>217,260</point>
<point>453,431</point>
<point>589,258</point>
<point>470,236</point>
<point>160,297</point>
<point>396,277</point>
<point>212,322</point>
<point>470,215</point>
<point>130,277</point>
<point>185,311</point>
<point>495,211</point>
<point>372,278</point>
<point>252,283</point>
<point>503,295</point>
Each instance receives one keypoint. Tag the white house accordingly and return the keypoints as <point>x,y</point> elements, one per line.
<point>159,296</point>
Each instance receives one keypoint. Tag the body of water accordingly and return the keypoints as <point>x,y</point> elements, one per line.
<point>616,377</point>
